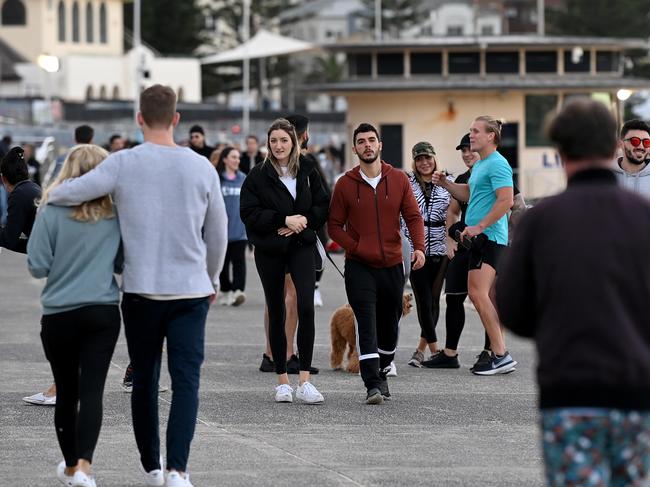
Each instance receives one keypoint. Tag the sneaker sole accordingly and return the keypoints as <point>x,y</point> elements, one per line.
<point>375,399</point>
<point>441,366</point>
<point>239,301</point>
<point>311,403</point>
<point>284,399</point>
<point>501,370</point>
<point>417,365</point>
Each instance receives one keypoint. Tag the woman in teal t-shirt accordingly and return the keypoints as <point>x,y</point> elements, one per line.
<point>490,196</point>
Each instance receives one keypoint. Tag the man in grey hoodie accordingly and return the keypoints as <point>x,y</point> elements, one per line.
<point>174,231</point>
<point>633,169</point>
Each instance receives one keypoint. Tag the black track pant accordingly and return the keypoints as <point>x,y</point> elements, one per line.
<point>455,319</point>
<point>79,345</point>
<point>235,258</point>
<point>299,262</point>
<point>376,299</point>
<point>427,286</point>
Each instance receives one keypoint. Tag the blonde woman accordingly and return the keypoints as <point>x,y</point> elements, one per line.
<point>283,204</point>
<point>76,249</point>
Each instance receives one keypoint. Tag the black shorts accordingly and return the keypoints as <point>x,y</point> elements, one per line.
<point>456,278</point>
<point>489,254</point>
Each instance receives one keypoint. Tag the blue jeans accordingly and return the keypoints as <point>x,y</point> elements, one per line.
<point>3,205</point>
<point>146,324</point>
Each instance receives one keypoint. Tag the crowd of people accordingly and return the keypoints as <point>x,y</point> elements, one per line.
<point>193,212</point>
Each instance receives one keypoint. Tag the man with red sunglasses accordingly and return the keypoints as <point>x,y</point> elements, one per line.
<point>633,168</point>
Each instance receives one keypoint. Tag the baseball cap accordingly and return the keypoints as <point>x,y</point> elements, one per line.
<point>464,142</point>
<point>423,148</point>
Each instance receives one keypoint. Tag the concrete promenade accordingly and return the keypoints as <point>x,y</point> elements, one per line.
<point>443,427</point>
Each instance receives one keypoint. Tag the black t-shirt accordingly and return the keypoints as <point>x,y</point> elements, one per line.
<point>246,164</point>
<point>206,151</point>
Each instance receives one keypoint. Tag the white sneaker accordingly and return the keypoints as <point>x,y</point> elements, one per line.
<point>60,474</point>
<point>392,370</point>
<point>283,393</point>
<point>225,298</point>
<point>309,394</point>
<point>318,299</point>
<point>81,479</point>
<point>238,298</point>
<point>40,399</point>
<point>175,479</point>
<point>155,477</point>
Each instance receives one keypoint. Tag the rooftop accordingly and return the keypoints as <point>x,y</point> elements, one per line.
<point>8,59</point>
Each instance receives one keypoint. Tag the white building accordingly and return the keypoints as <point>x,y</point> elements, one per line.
<point>87,37</point>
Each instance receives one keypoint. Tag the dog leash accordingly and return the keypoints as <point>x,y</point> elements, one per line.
<point>323,251</point>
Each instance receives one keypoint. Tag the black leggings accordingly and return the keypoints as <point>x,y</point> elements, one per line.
<point>235,256</point>
<point>427,286</point>
<point>79,345</point>
<point>299,262</point>
<point>455,319</point>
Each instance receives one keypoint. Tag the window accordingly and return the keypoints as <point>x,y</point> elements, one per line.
<point>13,13</point>
<point>426,63</point>
<point>103,29</point>
<point>90,94</point>
<point>360,64</point>
<point>487,30</point>
<point>502,62</point>
<point>181,94</point>
<point>583,64</point>
<point>541,62</point>
<point>390,63</point>
<point>75,22</point>
<point>61,16</point>
<point>89,23</point>
<point>455,30</point>
<point>116,92</point>
<point>538,108</point>
<point>607,61</point>
<point>464,62</point>
<point>102,92</point>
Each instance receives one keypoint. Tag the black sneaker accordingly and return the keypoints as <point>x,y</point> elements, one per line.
<point>383,385</point>
<point>496,365</point>
<point>293,366</point>
<point>374,396</point>
<point>127,381</point>
<point>267,364</point>
<point>482,358</point>
<point>440,360</point>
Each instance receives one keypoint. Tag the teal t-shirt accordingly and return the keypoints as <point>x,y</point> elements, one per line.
<point>488,175</point>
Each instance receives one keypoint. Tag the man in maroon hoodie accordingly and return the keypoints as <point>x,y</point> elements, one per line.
<point>365,220</point>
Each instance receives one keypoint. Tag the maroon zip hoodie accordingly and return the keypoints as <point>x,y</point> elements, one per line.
<point>366,222</point>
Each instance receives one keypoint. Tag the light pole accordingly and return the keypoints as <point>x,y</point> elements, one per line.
<point>246,88</point>
<point>622,95</point>
<point>50,64</point>
<point>137,41</point>
<point>377,20</point>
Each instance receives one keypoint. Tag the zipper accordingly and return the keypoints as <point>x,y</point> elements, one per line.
<point>381,247</point>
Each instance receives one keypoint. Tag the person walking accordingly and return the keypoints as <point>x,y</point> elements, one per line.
<point>632,168</point>
<point>232,179</point>
<point>77,250</point>
<point>586,309</point>
<point>489,193</point>
<point>365,220</point>
<point>283,203</point>
<point>198,143</point>
<point>173,223</point>
<point>427,281</point>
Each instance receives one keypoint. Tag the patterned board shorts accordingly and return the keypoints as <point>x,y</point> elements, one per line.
<point>596,447</point>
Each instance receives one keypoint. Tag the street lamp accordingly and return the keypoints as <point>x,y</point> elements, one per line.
<point>50,64</point>
<point>622,95</point>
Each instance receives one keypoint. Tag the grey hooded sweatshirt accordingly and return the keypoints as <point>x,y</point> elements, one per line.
<point>638,183</point>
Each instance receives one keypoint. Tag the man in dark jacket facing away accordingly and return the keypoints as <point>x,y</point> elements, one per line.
<point>364,220</point>
<point>577,281</point>
<point>23,194</point>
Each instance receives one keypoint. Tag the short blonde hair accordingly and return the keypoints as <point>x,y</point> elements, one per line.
<point>81,159</point>
<point>492,125</point>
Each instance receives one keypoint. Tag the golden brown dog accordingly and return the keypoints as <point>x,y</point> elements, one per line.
<point>343,333</point>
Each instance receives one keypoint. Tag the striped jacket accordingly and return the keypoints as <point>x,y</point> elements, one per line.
<point>434,215</point>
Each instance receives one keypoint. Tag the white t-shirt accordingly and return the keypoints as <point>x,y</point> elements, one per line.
<point>289,182</point>
<point>371,181</point>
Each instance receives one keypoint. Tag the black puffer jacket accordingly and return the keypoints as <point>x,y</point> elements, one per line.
<point>265,202</point>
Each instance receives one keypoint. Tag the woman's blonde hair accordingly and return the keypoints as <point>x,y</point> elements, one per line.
<point>81,159</point>
<point>492,125</point>
<point>294,156</point>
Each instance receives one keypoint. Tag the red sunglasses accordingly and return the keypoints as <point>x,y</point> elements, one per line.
<point>636,142</point>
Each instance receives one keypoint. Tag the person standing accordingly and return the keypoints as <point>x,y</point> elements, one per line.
<point>489,193</point>
<point>283,204</point>
<point>365,220</point>
<point>232,179</point>
<point>252,156</point>
<point>632,169</point>
<point>426,282</point>
<point>83,134</point>
<point>116,143</point>
<point>198,143</point>
<point>77,250</point>
<point>586,309</point>
<point>173,223</point>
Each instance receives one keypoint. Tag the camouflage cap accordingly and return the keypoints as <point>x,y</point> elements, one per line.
<point>423,148</point>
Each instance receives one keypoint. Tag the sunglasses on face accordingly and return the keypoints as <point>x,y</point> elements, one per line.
<point>636,142</point>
